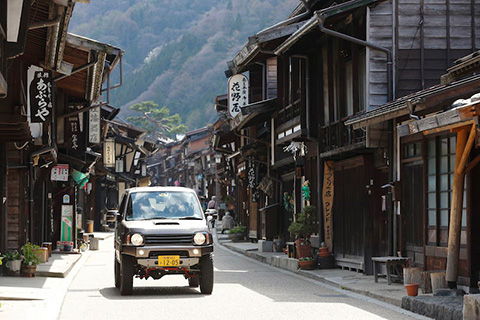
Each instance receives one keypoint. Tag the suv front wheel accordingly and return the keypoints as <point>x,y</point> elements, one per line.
<point>206,274</point>
<point>126,275</point>
<point>117,273</point>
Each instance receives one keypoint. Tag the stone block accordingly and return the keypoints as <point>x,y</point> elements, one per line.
<point>265,246</point>
<point>471,307</point>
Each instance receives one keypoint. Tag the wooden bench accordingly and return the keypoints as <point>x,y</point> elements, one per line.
<point>394,267</point>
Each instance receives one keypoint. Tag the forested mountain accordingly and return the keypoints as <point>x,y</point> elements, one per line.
<point>176,51</point>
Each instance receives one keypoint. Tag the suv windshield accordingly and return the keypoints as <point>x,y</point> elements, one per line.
<point>163,205</point>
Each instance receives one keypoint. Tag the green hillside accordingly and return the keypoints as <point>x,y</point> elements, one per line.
<point>176,51</point>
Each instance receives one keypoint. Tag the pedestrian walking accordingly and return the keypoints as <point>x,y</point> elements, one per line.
<point>227,222</point>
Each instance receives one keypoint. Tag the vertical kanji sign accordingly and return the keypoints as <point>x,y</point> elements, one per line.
<point>41,97</point>
<point>94,125</point>
<point>237,94</point>
<point>327,197</point>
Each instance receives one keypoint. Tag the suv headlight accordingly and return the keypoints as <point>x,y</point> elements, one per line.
<point>136,239</point>
<point>199,239</point>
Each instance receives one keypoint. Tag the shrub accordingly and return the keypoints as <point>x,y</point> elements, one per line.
<point>30,257</point>
<point>237,229</point>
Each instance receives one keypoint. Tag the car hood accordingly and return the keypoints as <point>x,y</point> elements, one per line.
<point>165,226</point>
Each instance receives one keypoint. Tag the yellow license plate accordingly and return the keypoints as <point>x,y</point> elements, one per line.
<point>168,261</point>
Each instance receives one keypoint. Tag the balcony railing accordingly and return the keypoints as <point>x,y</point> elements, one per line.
<point>337,135</point>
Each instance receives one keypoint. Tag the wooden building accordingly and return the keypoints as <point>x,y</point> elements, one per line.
<point>326,64</point>
<point>53,79</point>
<point>434,211</point>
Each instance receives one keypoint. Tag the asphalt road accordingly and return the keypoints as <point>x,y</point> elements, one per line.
<point>244,289</point>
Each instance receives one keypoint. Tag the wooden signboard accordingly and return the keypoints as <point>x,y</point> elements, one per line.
<point>327,197</point>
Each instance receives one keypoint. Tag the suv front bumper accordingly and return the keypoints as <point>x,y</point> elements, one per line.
<point>151,252</point>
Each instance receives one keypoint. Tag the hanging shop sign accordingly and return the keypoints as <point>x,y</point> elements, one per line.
<point>94,125</point>
<point>237,93</point>
<point>251,177</point>
<point>59,173</point>
<point>327,197</point>
<point>41,97</point>
<point>109,153</point>
<point>74,137</point>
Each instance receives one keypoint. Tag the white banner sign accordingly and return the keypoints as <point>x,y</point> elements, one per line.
<point>59,173</point>
<point>94,125</point>
<point>237,94</point>
<point>109,153</point>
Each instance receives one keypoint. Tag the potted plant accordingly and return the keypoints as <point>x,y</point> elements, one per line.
<point>13,261</point>
<point>30,259</point>
<point>305,263</point>
<point>411,279</point>
<point>303,228</point>
<point>237,233</point>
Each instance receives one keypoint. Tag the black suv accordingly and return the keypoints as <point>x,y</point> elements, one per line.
<point>162,231</point>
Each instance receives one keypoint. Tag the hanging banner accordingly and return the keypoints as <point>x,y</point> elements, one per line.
<point>237,94</point>
<point>327,197</point>
<point>41,97</point>
<point>94,125</point>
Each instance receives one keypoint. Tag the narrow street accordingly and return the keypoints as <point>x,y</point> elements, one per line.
<point>239,282</point>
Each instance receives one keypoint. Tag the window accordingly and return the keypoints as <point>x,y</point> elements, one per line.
<point>163,205</point>
<point>440,168</point>
<point>412,150</point>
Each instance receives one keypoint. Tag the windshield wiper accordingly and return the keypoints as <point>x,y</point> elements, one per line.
<point>190,218</point>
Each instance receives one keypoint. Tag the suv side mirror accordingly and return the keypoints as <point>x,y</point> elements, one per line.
<point>117,214</point>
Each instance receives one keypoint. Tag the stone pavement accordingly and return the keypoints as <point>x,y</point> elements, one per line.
<point>42,294</point>
<point>395,294</point>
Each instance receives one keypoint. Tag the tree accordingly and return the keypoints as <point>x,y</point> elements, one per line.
<point>157,121</point>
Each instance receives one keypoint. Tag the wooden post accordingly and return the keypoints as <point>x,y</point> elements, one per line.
<point>461,155</point>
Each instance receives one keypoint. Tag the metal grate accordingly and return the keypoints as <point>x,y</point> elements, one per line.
<point>170,239</point>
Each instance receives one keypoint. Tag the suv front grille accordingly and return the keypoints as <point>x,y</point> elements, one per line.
<point>155,254</point>
<point>170,239</point>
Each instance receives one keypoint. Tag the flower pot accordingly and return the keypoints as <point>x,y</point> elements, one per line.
<point>303,250</point>
<point>236,237</point>
<point>14,265</point>
<point>306,264</point>
<point>412,289</point>
<point>29,271</point>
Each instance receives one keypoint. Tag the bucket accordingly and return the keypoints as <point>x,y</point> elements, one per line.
<point>48,245</point>
<point>93,243</point>
<point>90,226</point>
<point>412,289</point>
<point>42,253</point>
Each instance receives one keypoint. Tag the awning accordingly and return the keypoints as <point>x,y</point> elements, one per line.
<point>447,120</point>
<point>254,114</point>
<point>221,138</point>
<point>260,46</point>
<point>260,106</point>
<point>313,23</point>
<point>75,162</point>
<point>436,96</point>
